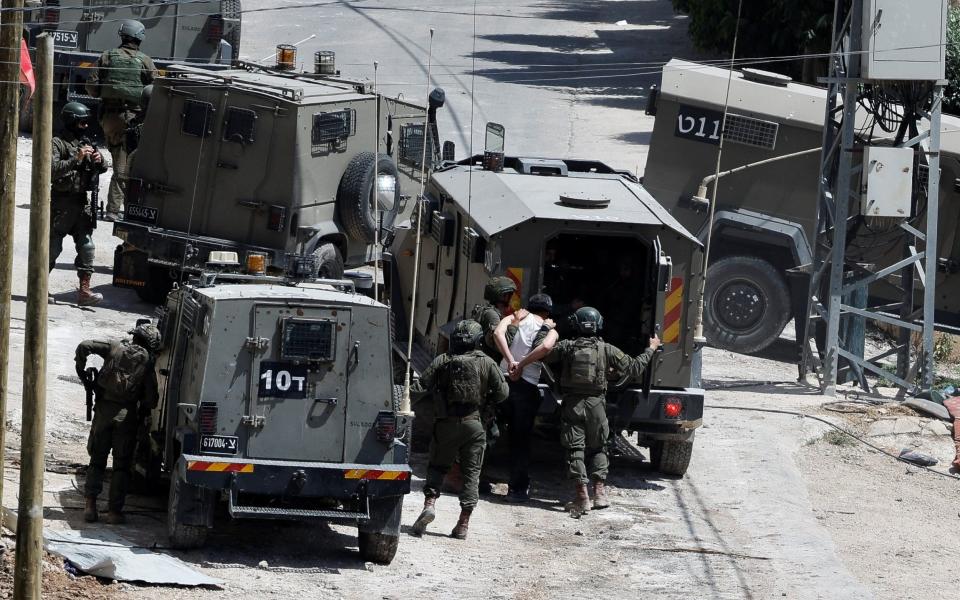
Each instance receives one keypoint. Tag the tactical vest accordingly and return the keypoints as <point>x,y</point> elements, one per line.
<point>75,181</point>
<point>584,368</point>
<point>121,80</point>
<point>123,371</point>
<point>462,383</point>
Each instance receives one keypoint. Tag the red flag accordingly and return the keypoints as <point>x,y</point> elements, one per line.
<point>26,69</point>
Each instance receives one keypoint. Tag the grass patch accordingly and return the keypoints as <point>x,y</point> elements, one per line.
<point>838,438</point>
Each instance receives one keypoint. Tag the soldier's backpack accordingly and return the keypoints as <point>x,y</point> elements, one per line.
<point>461,381</point>
<point>123,370</point>
<point>584,368</point>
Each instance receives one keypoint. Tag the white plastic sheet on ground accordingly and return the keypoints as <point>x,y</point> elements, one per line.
<point>106,554</point>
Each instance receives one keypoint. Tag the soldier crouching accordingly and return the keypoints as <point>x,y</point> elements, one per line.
<point>463,382</point>
<point>126,391</point>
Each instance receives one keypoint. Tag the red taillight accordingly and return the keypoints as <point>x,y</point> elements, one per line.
<point>215,29</point>
<point>51,16</point>
<point>386,427</point>
<point>277,219</point>
<point>208,418</point>
<point>672,408</point>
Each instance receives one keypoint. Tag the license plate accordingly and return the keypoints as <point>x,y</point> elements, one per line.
<point>219,444</point>
<point>141,214</point>
<point>66,39</point>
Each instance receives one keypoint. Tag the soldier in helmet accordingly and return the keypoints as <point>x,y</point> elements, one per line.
<point>585,362</point>
<point>126,392</point>
<point>462,382</point>
<point>118,81</point>
<point>75,164</point>
<point>497,294</point>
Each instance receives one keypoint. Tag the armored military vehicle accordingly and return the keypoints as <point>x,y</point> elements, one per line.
<point>201,32</point>
<point>268,163</point>
<point>276,396</point>
<point>767,213</point>
<point>585,234</point>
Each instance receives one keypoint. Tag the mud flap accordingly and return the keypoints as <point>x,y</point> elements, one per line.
<point>196,505</point>
<point>130,268</point>
<point>384,516</point>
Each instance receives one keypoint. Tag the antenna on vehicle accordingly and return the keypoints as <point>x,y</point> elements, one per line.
<point>374,190</point>
<point>698,336</point>
<point>473,104</point>
<point>405,402</point>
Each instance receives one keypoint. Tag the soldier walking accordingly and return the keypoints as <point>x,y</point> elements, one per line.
<point>585,363</point>
<point>126,392</point>
<point>76,167</point>
<point>462,382</point>
<point>118,80</point>
<point>533,325</point>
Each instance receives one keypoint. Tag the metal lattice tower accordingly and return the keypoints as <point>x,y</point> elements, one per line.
<point>839,270</point>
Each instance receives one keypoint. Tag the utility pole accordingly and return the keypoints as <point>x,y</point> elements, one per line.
<point>11,26</point>
<point>28,572</point>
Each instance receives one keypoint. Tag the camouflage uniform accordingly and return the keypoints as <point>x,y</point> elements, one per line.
<point>115,423</point>
<point>70,212</point>
<point>118,81</point>
<point>584,427</point>
<point>458,432</point>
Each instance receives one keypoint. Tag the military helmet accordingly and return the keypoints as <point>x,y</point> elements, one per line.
<point>147,336</point>
<point>466,336</point>
<point>74,113</point>
<point>133,30</point>
<point>589,320</point>
<point>540,303</point>
<point>497,287</point>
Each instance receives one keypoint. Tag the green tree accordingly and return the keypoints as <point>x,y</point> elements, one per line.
<point>951,96</point>
<point>767,28</point>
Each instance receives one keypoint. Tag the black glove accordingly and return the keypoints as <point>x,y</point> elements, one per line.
<point>81,374</point>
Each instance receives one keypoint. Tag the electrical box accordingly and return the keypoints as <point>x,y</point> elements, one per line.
<point>887,182</point>
<point>904,40</point>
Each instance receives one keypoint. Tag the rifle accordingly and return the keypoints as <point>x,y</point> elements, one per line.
<point>89,379</point>
<point>93,183</point>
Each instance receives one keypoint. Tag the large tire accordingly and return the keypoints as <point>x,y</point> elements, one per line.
<point>747,304</point>
<point>355,196</point>
<point>378,548</point>
<point>329,261</point>
<point>182,536</point>
<point>671,457</point>
<point>231,10</point>
<point>159,284</point>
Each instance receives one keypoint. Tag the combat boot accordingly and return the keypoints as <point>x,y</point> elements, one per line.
<point>581,502</point>
<point>427,515</point>
<point>115,517</point>
<point>600,495</point>
<point>463,524</point>
<point>90,514</point>
<point>86,297</point>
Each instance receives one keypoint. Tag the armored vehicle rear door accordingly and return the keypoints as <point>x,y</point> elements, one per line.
<point>298,382</point>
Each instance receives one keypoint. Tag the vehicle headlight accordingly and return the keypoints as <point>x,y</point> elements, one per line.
<point>386,191</point>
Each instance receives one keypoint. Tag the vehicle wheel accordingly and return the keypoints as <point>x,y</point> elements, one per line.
<point>673,456</point>
<point>378,548</point>
<point>159,284</point>
<point>231,10</point>
<point>329,261</point>
<point>182,536</point>
<point>355,197</point>
<point>747,304</point>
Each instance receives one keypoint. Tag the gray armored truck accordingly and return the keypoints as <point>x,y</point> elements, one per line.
<point>766,214</point>
<point>266,163</point>
<point>201,32</point>
<point>585,234</point>
<point>277,397</point>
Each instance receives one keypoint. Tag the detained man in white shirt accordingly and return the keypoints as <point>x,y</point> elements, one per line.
<point>533,325</point>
